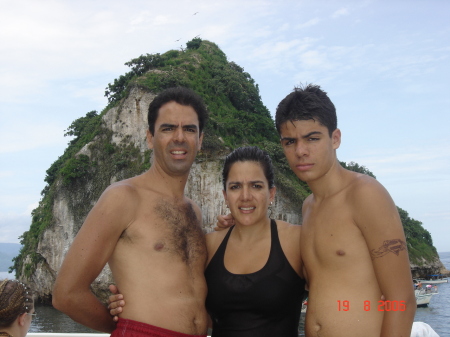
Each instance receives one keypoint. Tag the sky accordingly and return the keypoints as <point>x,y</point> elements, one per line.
<point>385,66</point>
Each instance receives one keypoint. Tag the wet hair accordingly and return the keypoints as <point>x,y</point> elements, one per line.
<point>180,95</point>
<point>249,153</point>
<point>304,103</point>
<point>16,298</point>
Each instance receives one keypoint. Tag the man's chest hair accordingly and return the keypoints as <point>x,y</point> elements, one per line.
<point>181,228</point>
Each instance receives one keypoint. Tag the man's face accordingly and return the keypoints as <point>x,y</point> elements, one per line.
<point>176,139</point>
<point>309,149</point>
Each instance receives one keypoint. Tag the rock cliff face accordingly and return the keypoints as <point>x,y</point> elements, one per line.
<point>126,126</point>
<point>428,268</point>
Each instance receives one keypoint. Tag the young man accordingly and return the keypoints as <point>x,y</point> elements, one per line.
<point>149,233</point>
<point>352,243</point>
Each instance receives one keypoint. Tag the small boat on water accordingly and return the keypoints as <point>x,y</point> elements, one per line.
<point>434,279</point>
<point>423,296</point>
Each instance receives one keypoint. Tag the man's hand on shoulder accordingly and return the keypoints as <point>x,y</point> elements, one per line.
<point>224,222</point>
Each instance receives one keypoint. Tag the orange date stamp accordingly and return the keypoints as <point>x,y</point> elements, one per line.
<point>381,305</point>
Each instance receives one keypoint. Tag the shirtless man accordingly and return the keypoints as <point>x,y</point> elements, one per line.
<point>150,235</point>
<point>352,243</point>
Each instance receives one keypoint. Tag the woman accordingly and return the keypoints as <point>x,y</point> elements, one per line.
<point>16,308</point>
<point>254,271</point>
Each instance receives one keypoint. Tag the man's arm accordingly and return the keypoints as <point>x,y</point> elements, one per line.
<point>89,253</point>
<point>380,224</point>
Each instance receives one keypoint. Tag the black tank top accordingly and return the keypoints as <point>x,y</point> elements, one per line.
<point>264,303</point>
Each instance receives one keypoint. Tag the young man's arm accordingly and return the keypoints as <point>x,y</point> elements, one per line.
<point>224,222</point>
<point>89,253</point>
<point>379,221</point>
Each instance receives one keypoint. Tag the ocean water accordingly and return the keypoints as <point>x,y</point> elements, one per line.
<point>437,314</point>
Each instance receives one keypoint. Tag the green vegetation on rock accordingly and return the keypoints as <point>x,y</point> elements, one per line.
<point>418,240</point>
<point>238,115</point>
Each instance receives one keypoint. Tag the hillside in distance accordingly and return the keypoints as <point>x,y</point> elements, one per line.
<point>7,252</point>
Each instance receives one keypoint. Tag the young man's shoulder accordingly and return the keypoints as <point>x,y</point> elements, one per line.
<point>362,186</point>
<point>368,200</point>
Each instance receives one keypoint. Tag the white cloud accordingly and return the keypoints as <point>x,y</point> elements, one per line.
<point>30,136</point>
<point>340,12</point>
<point>309,23</point>
<point>407,160</point>
<point>315,59</point>
<point>26,202</point>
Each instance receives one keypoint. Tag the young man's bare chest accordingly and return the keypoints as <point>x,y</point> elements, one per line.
<point>330,237</point>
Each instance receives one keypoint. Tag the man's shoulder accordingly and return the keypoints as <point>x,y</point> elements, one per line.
<point>124,188</point>
<point>362,185</point>
<point>131,186</point>
<point>124,194</point>
<point>368,197</point>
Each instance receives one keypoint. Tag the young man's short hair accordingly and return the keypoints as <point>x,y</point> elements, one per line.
<point>304,103</point>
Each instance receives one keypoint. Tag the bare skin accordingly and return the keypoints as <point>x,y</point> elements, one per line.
<point>150,234</point>
<point>352,245</point>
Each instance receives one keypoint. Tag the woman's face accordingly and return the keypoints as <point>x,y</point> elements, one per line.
<point>247,193</point>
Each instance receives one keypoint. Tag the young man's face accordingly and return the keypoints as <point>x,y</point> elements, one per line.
<point>177,138</point>
<point>309,148</point>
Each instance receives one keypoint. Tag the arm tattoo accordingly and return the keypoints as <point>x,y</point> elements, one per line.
<point>389,246</point>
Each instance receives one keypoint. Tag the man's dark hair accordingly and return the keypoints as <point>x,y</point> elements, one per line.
<point>304,103</point>
<point>249,153</point>
<point>180,95</point>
